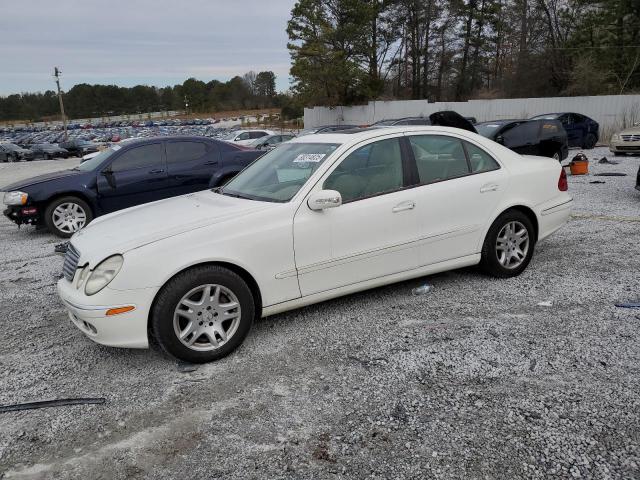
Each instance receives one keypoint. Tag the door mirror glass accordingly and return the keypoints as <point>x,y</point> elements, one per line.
<point>500,139</point>
<point>324,199</point>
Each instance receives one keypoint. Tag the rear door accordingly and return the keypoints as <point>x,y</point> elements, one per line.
<point>574,134</point>
<point>138,175</point>
<point>190,165</point>
<point>458,189</point>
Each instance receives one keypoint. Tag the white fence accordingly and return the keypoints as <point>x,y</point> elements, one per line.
<point>612,112</point>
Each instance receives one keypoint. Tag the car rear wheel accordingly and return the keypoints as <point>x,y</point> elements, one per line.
<point>508,246</point>
<point>65,216</point>
<point>558,155</point>
<point>590,141</point>
<point>203,314</point>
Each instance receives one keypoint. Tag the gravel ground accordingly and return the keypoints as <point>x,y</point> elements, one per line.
<point>532,377</point>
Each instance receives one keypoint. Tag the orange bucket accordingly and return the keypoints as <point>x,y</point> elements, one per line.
<point>579,167</point>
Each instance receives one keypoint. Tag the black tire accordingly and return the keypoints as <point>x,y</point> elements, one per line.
<point>590,141</point>
<point>557,155</point>
<point>169,298</point>
<point>489,262</point>
<point>13,158</point>
<point>618,154</point>
<point>48,214</point>
<point>45,156</point>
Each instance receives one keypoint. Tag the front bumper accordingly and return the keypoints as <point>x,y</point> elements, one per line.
<point>88,314</point>
<point>23,214</point>
<point>620,146</point>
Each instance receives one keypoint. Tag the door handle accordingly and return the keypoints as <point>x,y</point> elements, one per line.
<point>157,170</point>
<point>403,206</point>
<point>492,187</point>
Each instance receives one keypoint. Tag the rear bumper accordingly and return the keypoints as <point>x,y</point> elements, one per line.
<point>23,214</point>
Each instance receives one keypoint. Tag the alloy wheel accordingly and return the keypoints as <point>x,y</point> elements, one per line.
<point>512,244</point>
<point>207,317</point>
<point>69,217</point>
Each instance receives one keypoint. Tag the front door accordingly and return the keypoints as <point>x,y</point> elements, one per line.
<point>138,175</point>
<point>372,234</point>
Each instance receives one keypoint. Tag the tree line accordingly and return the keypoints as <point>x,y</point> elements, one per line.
<point>250,91</point>
<point>350,51</point>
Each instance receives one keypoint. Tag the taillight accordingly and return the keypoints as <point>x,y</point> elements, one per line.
<point>563,186</point>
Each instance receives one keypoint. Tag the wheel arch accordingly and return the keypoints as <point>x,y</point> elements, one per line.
<point>530,214</point>
<point>74,193</point>
<point>238,270</point>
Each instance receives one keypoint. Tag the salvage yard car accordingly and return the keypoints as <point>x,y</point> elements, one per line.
<point>318,217</point>
<point>545,138</point>
<point>626,141</point>
<point>48,151</point>
<point>10,152</point>
<point>134,172</point>
<point>582,131</point>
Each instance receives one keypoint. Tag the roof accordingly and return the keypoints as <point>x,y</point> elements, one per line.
<point>359,134</point>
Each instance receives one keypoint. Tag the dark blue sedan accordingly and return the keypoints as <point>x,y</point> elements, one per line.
<point>128,174</point>
<point>582,131</point>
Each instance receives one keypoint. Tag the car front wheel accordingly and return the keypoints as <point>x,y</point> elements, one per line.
<point>508,246</point>
<point>65,216</point>
<point>203,314</point>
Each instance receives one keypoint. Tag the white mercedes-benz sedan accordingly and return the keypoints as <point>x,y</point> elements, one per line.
<point>318,217</point>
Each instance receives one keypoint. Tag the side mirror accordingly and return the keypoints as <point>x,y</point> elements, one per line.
<point>500,139</point>
<point>324,199</point>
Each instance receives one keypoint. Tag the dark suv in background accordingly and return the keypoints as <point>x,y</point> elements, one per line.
<point>582,131</point>
<point>122,176</point>
<point>545,138</point>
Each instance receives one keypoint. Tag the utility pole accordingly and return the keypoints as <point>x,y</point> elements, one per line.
<point>56,73</point>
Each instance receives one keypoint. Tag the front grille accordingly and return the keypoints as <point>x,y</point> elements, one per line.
<point>631,138</point>
<point>70,265</point>
<point>628,148</point>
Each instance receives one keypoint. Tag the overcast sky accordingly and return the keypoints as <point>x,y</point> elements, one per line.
<point>151,42</point>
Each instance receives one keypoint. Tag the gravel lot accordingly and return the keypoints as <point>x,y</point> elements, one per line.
<point>532,377</point>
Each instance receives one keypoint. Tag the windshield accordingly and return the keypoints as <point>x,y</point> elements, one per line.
<point>278,175</point>
<point>552,116</point>
<point>230,136</point>
<point>307,131</point>
<point>488,129</point>
<point>92,163</point>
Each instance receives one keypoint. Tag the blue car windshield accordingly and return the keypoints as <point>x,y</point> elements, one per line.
<point>93,163</point>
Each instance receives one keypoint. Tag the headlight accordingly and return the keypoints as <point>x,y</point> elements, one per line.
<point>615,137</point>
<point>15,198</point>
<point>103,274</point>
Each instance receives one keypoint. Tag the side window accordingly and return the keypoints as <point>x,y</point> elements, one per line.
<point>370,170</point>
<point>178,152</point>
<point>565,119</point>
<point>138,157</point>
<point>438,158</point>
<point>522,134</point>
<point>480,160</point>
<point>243,136</point>
<point>257,134</point>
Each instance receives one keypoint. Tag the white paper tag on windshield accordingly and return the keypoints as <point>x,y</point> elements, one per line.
<point>116,147</point>
<point>309,158</point>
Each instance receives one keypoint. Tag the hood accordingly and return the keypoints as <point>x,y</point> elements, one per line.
<point>135,227</point>
<point>39,179</point>
<point>631,131</point>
